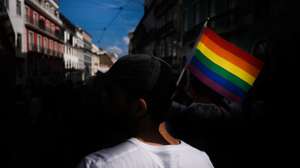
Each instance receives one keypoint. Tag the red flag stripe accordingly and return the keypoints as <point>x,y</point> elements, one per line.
<point>232,48</point>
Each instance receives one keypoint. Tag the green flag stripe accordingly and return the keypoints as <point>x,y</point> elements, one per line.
<point>222,72</point>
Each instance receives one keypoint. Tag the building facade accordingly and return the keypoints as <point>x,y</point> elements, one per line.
<point>48,46</point>
<point>7,48</point>
<point>15,11</point>
<point>87,43</point>
<point>95,59</point>
<point>160,26</point>
<point>45,39</point>
<point>38,38</point>
<point>72,54</point>
<point>106,61</point>
<point>169,28</point>
<point>79,45</point>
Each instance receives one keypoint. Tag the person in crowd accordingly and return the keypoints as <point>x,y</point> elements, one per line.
<point>207,121</point>
<point>140,88</point>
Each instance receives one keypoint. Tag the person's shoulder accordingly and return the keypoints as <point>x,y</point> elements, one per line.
<point>195,155</point>
<point>107,156</point>
<point>192,149</point>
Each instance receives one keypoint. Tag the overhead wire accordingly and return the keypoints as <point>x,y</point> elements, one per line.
<point>121,8</point>
<point>111,22</point>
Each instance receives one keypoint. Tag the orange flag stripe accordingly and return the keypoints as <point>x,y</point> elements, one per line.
<point>233,48</point>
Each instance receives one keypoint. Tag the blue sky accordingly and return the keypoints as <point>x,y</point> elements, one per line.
<point>101,19</point>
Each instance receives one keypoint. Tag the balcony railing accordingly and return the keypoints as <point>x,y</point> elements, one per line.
<point>45,51</point>
<point>29,19</point>
<point>46,11</point>
<point>59,34</point>
<point>33,48</point>
<point>41,26</point>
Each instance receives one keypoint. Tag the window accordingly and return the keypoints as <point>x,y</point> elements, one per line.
<point>39,43</point>
<point>43,3</point>
<point>47,5</point>
<point>52,28</point>
<point>31,41</point>
<point>174,48</point>
<point>19,8</point>
<point>6,4</point>
<point>27,13</point>
<point>186,19</point>
<point>58,31</point>
<point>62,49</point>
<point>46,45</point>
<point>35,18</point>
<point>58,48</point>
<point>55,47</point>
<point>197,15</point>
<point>56,13</point>
<point>50,46</point>
<point>19,41</point>
<point>47,25</point>
<point>42,22</point>
<point>52,10</point>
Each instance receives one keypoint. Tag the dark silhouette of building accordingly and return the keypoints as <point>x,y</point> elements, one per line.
<point>266,29</point>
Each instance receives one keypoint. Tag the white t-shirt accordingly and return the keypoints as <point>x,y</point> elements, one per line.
<point>135,154</point>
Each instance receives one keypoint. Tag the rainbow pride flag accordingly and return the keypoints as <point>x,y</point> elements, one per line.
<point>222,66</point>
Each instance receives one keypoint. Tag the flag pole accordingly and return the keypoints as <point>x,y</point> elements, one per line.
<point>185,67</point>
<point>187,63</point>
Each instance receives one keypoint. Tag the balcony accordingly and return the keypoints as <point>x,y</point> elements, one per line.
<point>59,34</point>
<point>36,51</point>
<point>19,53</point>
<point>42,24</point>
<point>70,40</point>
<point>39,26</point>
<point>54,3</point>
<point>43,10</point>
<point>33,48</point>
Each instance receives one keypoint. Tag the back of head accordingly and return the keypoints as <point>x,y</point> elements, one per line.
<point>147,77</point>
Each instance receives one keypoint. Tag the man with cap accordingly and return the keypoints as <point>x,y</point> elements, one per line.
<point>140,88</point>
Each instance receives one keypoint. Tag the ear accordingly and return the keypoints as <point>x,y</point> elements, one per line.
<point>141,107</point>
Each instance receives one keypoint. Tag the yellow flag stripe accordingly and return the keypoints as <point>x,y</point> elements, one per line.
<point>235,70</point>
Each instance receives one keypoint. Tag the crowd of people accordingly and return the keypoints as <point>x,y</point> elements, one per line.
<point>58,125</point>
<point>61,124</point>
